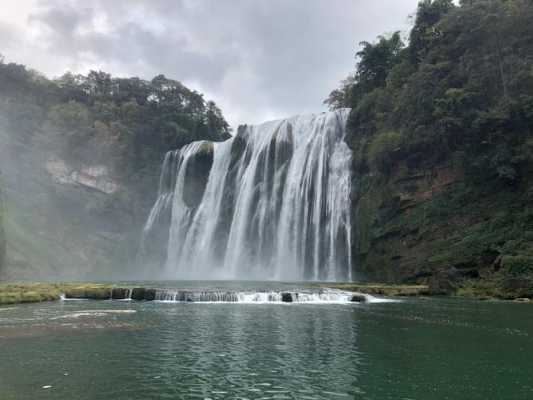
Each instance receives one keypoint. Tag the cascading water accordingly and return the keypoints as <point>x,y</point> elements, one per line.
<point>271,203</point>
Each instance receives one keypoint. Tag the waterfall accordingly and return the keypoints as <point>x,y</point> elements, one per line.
<point>271,203</point>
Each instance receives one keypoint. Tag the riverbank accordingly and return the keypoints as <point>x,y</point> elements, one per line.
<point>519,290</point>
<point>17,293</point>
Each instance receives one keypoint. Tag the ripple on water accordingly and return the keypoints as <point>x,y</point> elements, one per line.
<point>131,351</point>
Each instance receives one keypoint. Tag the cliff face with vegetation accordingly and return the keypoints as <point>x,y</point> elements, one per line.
<point>80,157</point>
<point>441,130</point>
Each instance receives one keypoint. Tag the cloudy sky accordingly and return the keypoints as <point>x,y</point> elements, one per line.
<point>258,59</point>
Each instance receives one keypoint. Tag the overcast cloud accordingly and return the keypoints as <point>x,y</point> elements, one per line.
<point>258,59</point>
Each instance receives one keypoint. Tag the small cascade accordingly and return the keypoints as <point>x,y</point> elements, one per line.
<point>271,203</point>
<point>214,296</point>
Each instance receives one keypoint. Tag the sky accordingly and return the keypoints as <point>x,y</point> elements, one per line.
<point>258,59</point>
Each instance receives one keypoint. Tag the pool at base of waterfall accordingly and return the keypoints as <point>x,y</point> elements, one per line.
<point>410,349</point>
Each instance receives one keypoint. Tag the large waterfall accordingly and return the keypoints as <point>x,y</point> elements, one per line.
<point>271,203</point>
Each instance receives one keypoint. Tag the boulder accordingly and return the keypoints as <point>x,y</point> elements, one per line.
<point>138,293</point>
<point>286,297</point>
<point>358,298</point>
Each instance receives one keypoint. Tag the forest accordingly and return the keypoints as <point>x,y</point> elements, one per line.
<point>144,119</point>
<point>441,127</point>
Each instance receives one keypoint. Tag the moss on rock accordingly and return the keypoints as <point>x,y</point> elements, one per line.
<point>88,292</point>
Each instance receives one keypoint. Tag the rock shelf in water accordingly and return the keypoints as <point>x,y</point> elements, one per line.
<point>16,293</point>
<point>38,292</point>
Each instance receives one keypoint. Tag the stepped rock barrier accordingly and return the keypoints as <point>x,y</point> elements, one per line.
<point>212,295</point>
<point>16,293</point>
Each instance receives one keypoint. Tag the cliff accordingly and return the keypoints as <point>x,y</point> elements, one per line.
<point>432,226</point>
<point>80,156</point>
<point>442,135</point>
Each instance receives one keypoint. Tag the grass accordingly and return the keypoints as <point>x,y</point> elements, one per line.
<point>38,292</point>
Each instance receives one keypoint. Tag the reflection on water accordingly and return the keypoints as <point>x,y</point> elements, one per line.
<point>416,349</point>
<point>144,350</point>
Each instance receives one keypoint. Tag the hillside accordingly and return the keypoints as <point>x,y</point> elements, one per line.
<point>441,128</point>
<point>80,156</point>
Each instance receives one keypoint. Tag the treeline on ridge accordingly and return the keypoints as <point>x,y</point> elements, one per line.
<point>460,90</point>
<point>139,120</point>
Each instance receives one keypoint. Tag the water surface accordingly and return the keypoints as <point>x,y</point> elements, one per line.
<point>414,349</point>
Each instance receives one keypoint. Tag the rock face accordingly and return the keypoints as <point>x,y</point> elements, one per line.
<point>62,213</point>
<point>197,174</point>
<point>95,177</point>
<point>430,225</point>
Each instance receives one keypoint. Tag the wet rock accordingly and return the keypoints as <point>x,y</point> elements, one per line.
<point>120,293</point>
<point>197,174</point>
<point>149,294</point>
<point>185,296</point>
<point>286,297</point>
<point>358,298</point>
<point>138,293</point>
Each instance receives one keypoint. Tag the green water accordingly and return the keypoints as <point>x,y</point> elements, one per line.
<point>415,349</point>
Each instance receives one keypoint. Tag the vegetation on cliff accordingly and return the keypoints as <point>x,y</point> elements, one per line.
<point>80,156</point>
<point>441,128</point>
<point>138,120</point>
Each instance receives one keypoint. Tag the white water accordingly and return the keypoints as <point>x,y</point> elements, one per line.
<point>326,296</point>
<point>276,205</point>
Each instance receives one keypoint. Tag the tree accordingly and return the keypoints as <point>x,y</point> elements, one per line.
<point>216,124</point>
<point>461,90</point>
<point>425,29</point>
<point>375,61</point>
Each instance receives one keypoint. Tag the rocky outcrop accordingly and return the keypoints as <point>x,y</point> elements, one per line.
<point>93,177</point>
